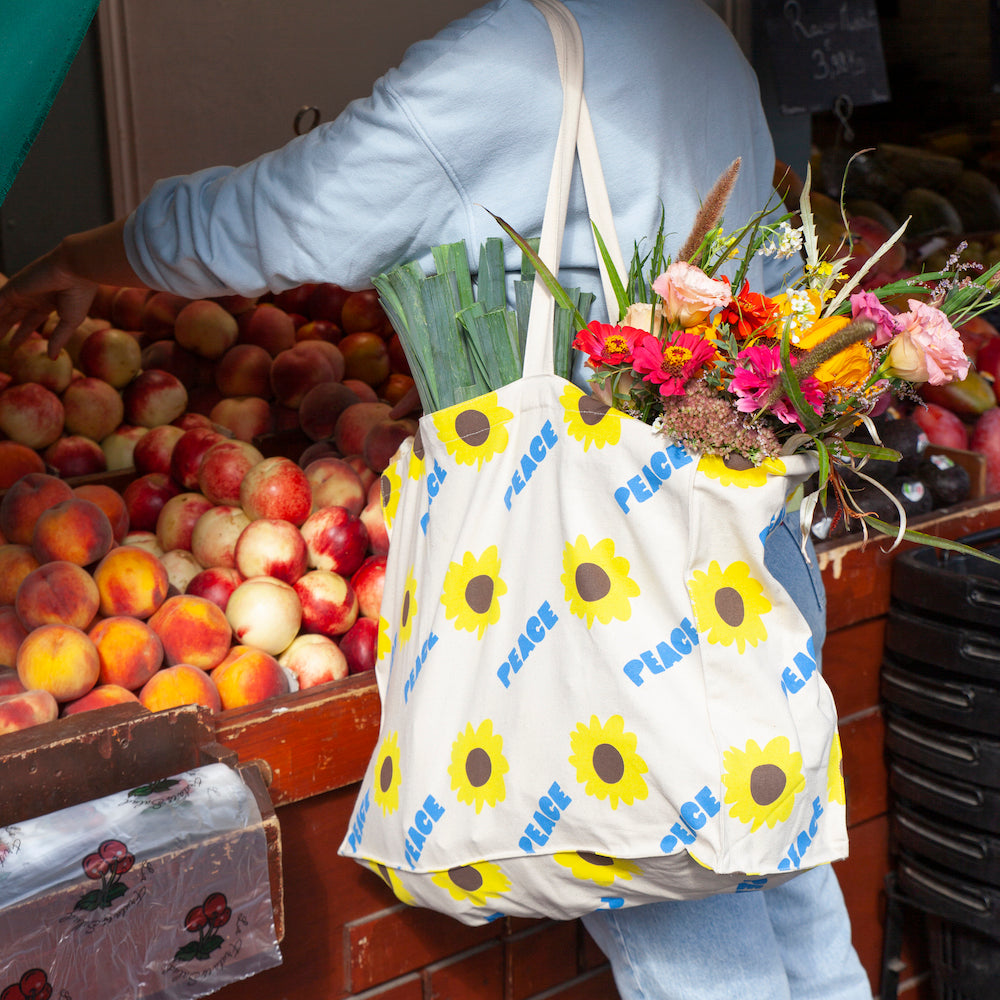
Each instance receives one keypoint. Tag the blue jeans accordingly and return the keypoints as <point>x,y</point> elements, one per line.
<point>792,942</point>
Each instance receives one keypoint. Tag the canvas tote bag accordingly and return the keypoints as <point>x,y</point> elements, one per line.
<point>594,694</point>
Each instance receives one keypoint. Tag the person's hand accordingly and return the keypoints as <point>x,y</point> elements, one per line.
<point>34,293</point>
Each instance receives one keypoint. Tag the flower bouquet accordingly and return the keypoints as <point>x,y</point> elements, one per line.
<point>728,370</point>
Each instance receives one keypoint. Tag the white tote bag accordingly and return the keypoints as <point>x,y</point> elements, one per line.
<point>594,694</point>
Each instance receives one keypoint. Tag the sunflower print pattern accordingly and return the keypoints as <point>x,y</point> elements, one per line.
<point>594,693</point>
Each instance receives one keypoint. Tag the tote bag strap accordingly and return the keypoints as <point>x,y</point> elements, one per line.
<point>576,136</point>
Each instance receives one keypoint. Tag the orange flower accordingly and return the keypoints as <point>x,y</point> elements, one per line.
<point>851,368</point>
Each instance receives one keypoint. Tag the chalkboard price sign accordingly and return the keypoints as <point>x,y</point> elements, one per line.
<point>824,50</point>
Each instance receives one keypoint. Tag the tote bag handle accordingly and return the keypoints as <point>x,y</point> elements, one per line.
<point>576,136</point>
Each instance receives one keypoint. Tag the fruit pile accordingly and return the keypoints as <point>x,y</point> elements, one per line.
<point>218,574</point>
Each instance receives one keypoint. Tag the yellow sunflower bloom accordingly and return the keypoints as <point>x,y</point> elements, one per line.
<point>473,883</point>
<point>734,470</point>
<point>390,484</point>
<point>408,607</point>
<point>477,766</point>
<point>761,784</point>
<point>474,432</point>
<point>596,581</point>
<point>392,880</point>
<point>588,419</point>
<point>606,762</point>
<point>417,466</point>
<point>384,642</point>
<point>835,773</point>
<point>387,776</point>
<point>599,868</point>
<point>471,589</point>
<point>728,605</point>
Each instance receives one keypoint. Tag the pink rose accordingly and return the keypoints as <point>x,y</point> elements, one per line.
<point>928,348</point>
<point>866,305</point>
<point>689,295</point>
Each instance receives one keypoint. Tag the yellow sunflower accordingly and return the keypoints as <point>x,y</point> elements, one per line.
<point>606,762</point>
<point>408,607</point>
<point>597,582</point>
<point>384,642</point>
<point>762,784</point>
<point>734,470</point>
<point>473,883</point>
<point>475,431</point>
<point>471,589</point>
<point>390,485</point>
<point>728,604</point>
<point>387,776</point>
<point>597,868</point>
<point>392,880</point>
<point>415,470</point>
<point>477,766</point>
<point>588,419</point>
<point>835,773</point>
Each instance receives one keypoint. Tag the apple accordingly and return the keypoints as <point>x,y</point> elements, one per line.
<point>329,604</point>
<point>336,539</point>
<point>335,483</point>
<point>360,645</point>
<point>368,582</point>
<point>276,488</point>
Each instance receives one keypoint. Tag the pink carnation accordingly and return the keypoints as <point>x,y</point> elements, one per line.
<point>689,295</point>
<point>866,305</point>
<point>928,348</point>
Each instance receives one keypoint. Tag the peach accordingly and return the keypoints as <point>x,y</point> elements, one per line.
<point>57,593</point>
<point>366,358</point>
<point>354,423</point>
<point>245,417</point>
<point>321,406</point>
<point>181,567</point>
<point>127,307</point>
<point>276,488</point>
<point>175,525</point>
<point>359,644</point>
<point>168,356</point>
<point>337,540</point>
<point>17,460</point>
<point>16,562</point>
<point>186,458</point>
<point>271,547</point>
<point>326,301</point>
<point>203,400</point>
<point>205,328</point>
<point>111,355</point>
<point>189,421</point>
<point>159,312</point>
<point>100,308</point>
<point>153,451</point>
<point>329,604</point>
<point>146,497</point>
<point>317,329</point>
<point>224,467</point>
<point>110,501</point>
<point>181,684</point>
<point>12,634</point>
<point>76,530</point>
<point>25,709</point>
<point>318,449</point>
<point>73,455</point>
<point>383,440</point>
<point>93,408</point>
<point>131,581</point>
<point>314,659</point>
<point>267,326</point>
<point>265,613</point>
<point>235,303</point>
<point>144,540</point>
<point>298,369</point>
<point>368,476</point>
<point>119,446</point>
<point>10,683</point>
<point>31,363</point>
<point>130,652</point>
<point>362,311</point>
<point>373,518</point>
<point>366,393</point>
<point>395,387</point>
<point>216,583</point>
<point>100,697</point>
<point>25,501</point>
<point>60,659</point>
<point>335,483</point>
<point>215,533</point>
<point>368,582</point>
<point>248,678</point>
<point>154,397</point>
<point>31,415</point>
<point>193,630</point>
<point>295,299</point>
<point>244,370</point>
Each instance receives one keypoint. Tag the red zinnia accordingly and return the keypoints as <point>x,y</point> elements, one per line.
<point>605,344</point>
